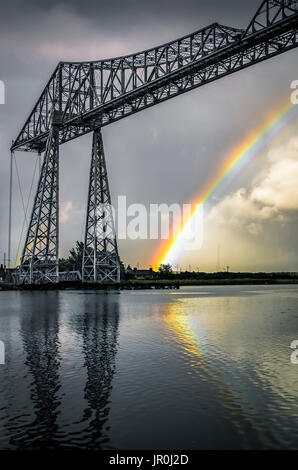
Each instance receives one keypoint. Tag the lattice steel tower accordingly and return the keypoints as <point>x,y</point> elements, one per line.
<point>39,262</point>
<point>100,258</point>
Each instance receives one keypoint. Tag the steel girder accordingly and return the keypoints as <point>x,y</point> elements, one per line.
<point>270,13</point>
<point>39,262</point>
<point>100,258</point>
<point>84,96</point>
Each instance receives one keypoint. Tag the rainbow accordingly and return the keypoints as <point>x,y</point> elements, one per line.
<point>247,151</point>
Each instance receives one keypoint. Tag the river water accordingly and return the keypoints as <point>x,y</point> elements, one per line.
<point>199,368</point>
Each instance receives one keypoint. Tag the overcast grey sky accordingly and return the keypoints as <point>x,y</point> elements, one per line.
<point>164,154</point>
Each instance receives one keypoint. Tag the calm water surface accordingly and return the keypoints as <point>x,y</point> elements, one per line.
<point>199,368</point>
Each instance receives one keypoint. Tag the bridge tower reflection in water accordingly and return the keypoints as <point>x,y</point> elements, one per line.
<point>97,324</point>
<point>40,335</point>
<point>100,332</point>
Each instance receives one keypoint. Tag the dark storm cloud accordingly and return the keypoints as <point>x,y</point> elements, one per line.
<point>31,30</point>
<point>123,17</point>
<point>133,10</point>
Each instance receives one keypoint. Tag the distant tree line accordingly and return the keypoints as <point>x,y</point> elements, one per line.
<point>165,271</point>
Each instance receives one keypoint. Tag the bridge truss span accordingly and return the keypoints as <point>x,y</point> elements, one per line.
<point>88,95</point>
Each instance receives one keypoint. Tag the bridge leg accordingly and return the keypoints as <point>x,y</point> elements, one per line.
<point>39,262</point>
<point>100,258</point>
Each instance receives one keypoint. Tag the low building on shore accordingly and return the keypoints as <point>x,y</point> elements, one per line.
<point>141,274</point>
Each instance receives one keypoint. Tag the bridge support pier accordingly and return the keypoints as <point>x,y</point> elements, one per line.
<point>100,258</point>
<point>39,262</point>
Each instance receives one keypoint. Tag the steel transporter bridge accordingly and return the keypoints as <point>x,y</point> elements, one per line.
<point>82,97</point>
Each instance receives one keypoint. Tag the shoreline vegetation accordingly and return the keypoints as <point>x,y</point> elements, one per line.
<point>162,278</point>
<point>165,275</point>
<point>174,281</point>
<point>213,281</point>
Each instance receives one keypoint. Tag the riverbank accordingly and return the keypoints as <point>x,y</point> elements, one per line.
<point>153,285</point>
<point>236,282</point>
<point>77,285</point>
